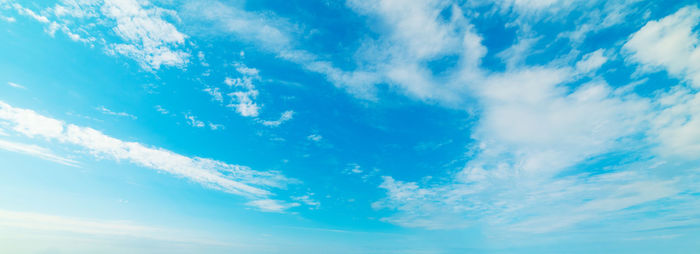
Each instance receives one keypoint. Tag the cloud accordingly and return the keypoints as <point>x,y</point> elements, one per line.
<point>107,111</point>
<point>230,178</point>
<point>676,127</point>
<point>418,35</point>
<point>591,62</point>
<point>8,19</point>
<point>271,33</point>
<point>541,136</point>
<point>36,151</point>
<point>214,126</point>
<point>353,168</point>
<point>533,172</point>
<point>30,13</point>
<point>278,36</point>
<point>308,200</point>
<point>140,30</point>
<point>215,94</point>
<point>52,26</point>
<point>244,94</point>
<point>149,38</point>
<point>670,44</point>
<point>192,121</point>
<point>285,116</point>
<point>271,205</point>
<point>162,110</point>
<point>314,137</point>
<point>15,85</point>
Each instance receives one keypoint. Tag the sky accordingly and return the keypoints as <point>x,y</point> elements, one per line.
<point>426,126</point>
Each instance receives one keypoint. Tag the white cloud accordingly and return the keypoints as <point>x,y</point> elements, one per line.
<point>535,133</point>
<point>194,122</point>
<point>235,179</point>
<point>314,137</point>
<point>275,35</point>
<point>271,205</point>
<point>308,200</point>
<point>30,13</point>
<point>248,26</point>
<point>669,44</point>
<point>353,169</point>
<point>8,19</point>
<point>532,130</point>
<point>107,111</point>
<point>244,104</point>
<point>143,33</point>
<point>511,203</point>
<point>416,36</point>
<point>215,94</point>
<point>149,38</point>
<point>162,110</point>
<point>591,61</point>
<point>15,85</point>
<point>244,95</point>
<point>676,128</point>
<point>285,116</point>
<point>214,126</point>
<point>555,127</point>
<point>202,59</point>
<point>36,151</point>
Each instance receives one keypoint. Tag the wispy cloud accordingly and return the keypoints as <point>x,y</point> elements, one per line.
<point>148,38</point>
<point>8,19</point>
<point>141,28</point>
<point>314,137</point>
<point>235,179</point>
<point>28,12</point>
<point>107,111</point>
<point>194,122</point>
<point>308,200</point>
<point>353,168</point>
<point>215,94</point>
<point>277,36</point>
<point>162,110</point>
<point>37,151</point>
<point>271,205</point>
<point>15,85</point>
<point>286,116</point>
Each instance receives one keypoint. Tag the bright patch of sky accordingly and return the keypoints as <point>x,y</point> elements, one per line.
<point>432,126</point>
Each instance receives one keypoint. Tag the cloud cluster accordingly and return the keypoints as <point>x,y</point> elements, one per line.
<point>138,29</point>
<point>538,139</point>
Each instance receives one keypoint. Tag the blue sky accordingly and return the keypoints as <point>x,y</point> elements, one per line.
<point>518,126</point>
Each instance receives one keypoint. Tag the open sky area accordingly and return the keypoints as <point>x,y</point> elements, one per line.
<point>357,126</point>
